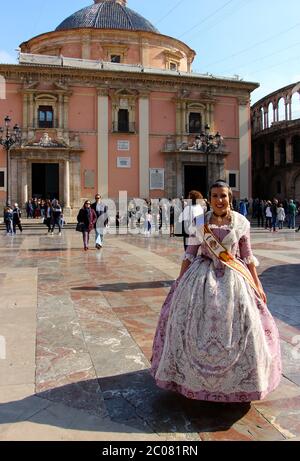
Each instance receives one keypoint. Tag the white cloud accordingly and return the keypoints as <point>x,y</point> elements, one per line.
<point>6,58</point>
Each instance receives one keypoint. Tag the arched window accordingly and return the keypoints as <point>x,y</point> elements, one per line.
<point>281,109</point>
<point>295,101</point>
<point>194,122</point>
<point>296,149</point>
<point>270,114</point>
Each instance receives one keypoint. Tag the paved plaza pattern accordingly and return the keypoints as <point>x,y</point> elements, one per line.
<point>77,329</point>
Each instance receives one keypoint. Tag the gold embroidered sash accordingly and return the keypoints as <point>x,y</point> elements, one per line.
<point>218,250</point>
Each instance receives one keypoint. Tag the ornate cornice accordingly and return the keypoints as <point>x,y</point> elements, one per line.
<point>18,72</point>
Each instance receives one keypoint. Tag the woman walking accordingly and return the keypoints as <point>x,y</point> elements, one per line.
<point>86,218</point>
<point>216,339</point>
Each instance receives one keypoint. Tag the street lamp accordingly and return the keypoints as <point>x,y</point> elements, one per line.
<point>207,143</point>
<point>8,139</point>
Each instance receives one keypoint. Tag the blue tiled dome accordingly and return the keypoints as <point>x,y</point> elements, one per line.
<point>107,14</point>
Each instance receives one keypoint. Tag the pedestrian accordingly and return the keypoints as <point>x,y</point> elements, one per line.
<point>148,223</point>
<point>56,212</point>
<point>291,214</point>
<point>280,216</point>
<point>216,339</point>
<point>243,208</point>
<point>17,218</point>
<point>191,213</point>
<point>274,207</point>
<point>86,218</point>
<point>102,220</point>
<point>8,219</point>
<point>260,213</point>
<point>268,213</point>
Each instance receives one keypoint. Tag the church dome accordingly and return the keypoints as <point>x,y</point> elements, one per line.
<point>107,14</point>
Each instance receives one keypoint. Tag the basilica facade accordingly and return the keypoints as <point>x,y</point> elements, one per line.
<point>107,103</point>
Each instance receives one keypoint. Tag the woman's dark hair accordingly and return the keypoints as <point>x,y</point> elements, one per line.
<point>195,195</point>
<point>222,183</point>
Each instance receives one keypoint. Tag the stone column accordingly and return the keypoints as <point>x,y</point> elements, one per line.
<point>183,118</point>
<point>31,116</point>
<point>274,114</point>
<point>60,112</point>
<point>289,151</point>
<point>144,148</point>
<point>13,179</point>
<point>244,148</point>
<point>178,122</point>
<point>66,117</point>
<point>67,186</point>
<point>25,111</point>
<point>102,187</point>
<point>286,103</point>
<point>24,182</point>
<point>266,118</point>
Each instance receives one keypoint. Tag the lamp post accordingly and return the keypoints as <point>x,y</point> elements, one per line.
<point>208,143</point>
<point>8,138</point>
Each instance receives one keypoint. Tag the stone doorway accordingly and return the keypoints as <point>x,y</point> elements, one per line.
<point>45,180</point>
<point>195,178</point>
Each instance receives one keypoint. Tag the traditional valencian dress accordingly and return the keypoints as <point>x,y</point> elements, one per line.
<point>216,340</point>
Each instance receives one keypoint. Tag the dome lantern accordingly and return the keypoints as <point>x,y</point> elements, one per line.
<point>122,2</point>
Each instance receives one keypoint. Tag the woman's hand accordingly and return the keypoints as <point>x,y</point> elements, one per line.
<point>262,294</point>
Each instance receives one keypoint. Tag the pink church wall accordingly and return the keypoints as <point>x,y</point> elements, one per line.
<point>88,162</point>
<point>11,106</point>
<point>162,113</point>
<point>227,123</point>
<point>226,117</point>
<point>82,119</point>
<point>162,123</point>
<point>83,109</point>
<point>126,179</point>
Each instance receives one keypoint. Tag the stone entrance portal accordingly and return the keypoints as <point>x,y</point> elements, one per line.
<point>45,180</point>
<point>48,173</point>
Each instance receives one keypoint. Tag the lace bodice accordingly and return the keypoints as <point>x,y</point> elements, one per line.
<point>234,236</point>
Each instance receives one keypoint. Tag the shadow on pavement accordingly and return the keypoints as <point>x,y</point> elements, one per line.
<point>130,399</point>
<point>119,287</point>
<point>281,283</point>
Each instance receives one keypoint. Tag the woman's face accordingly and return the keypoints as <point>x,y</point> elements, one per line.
<point>219,200</point>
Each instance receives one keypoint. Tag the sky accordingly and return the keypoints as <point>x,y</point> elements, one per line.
<point>255,39</point>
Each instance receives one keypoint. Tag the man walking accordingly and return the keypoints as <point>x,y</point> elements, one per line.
<point>16,218</point>
<point>102,220</point>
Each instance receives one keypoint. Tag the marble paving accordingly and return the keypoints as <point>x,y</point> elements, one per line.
<point>76,331</point>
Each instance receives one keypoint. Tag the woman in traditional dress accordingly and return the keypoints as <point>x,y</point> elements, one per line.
<point>216,339</point>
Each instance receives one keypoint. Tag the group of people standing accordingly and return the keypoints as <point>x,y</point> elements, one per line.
<point>273,214</point>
